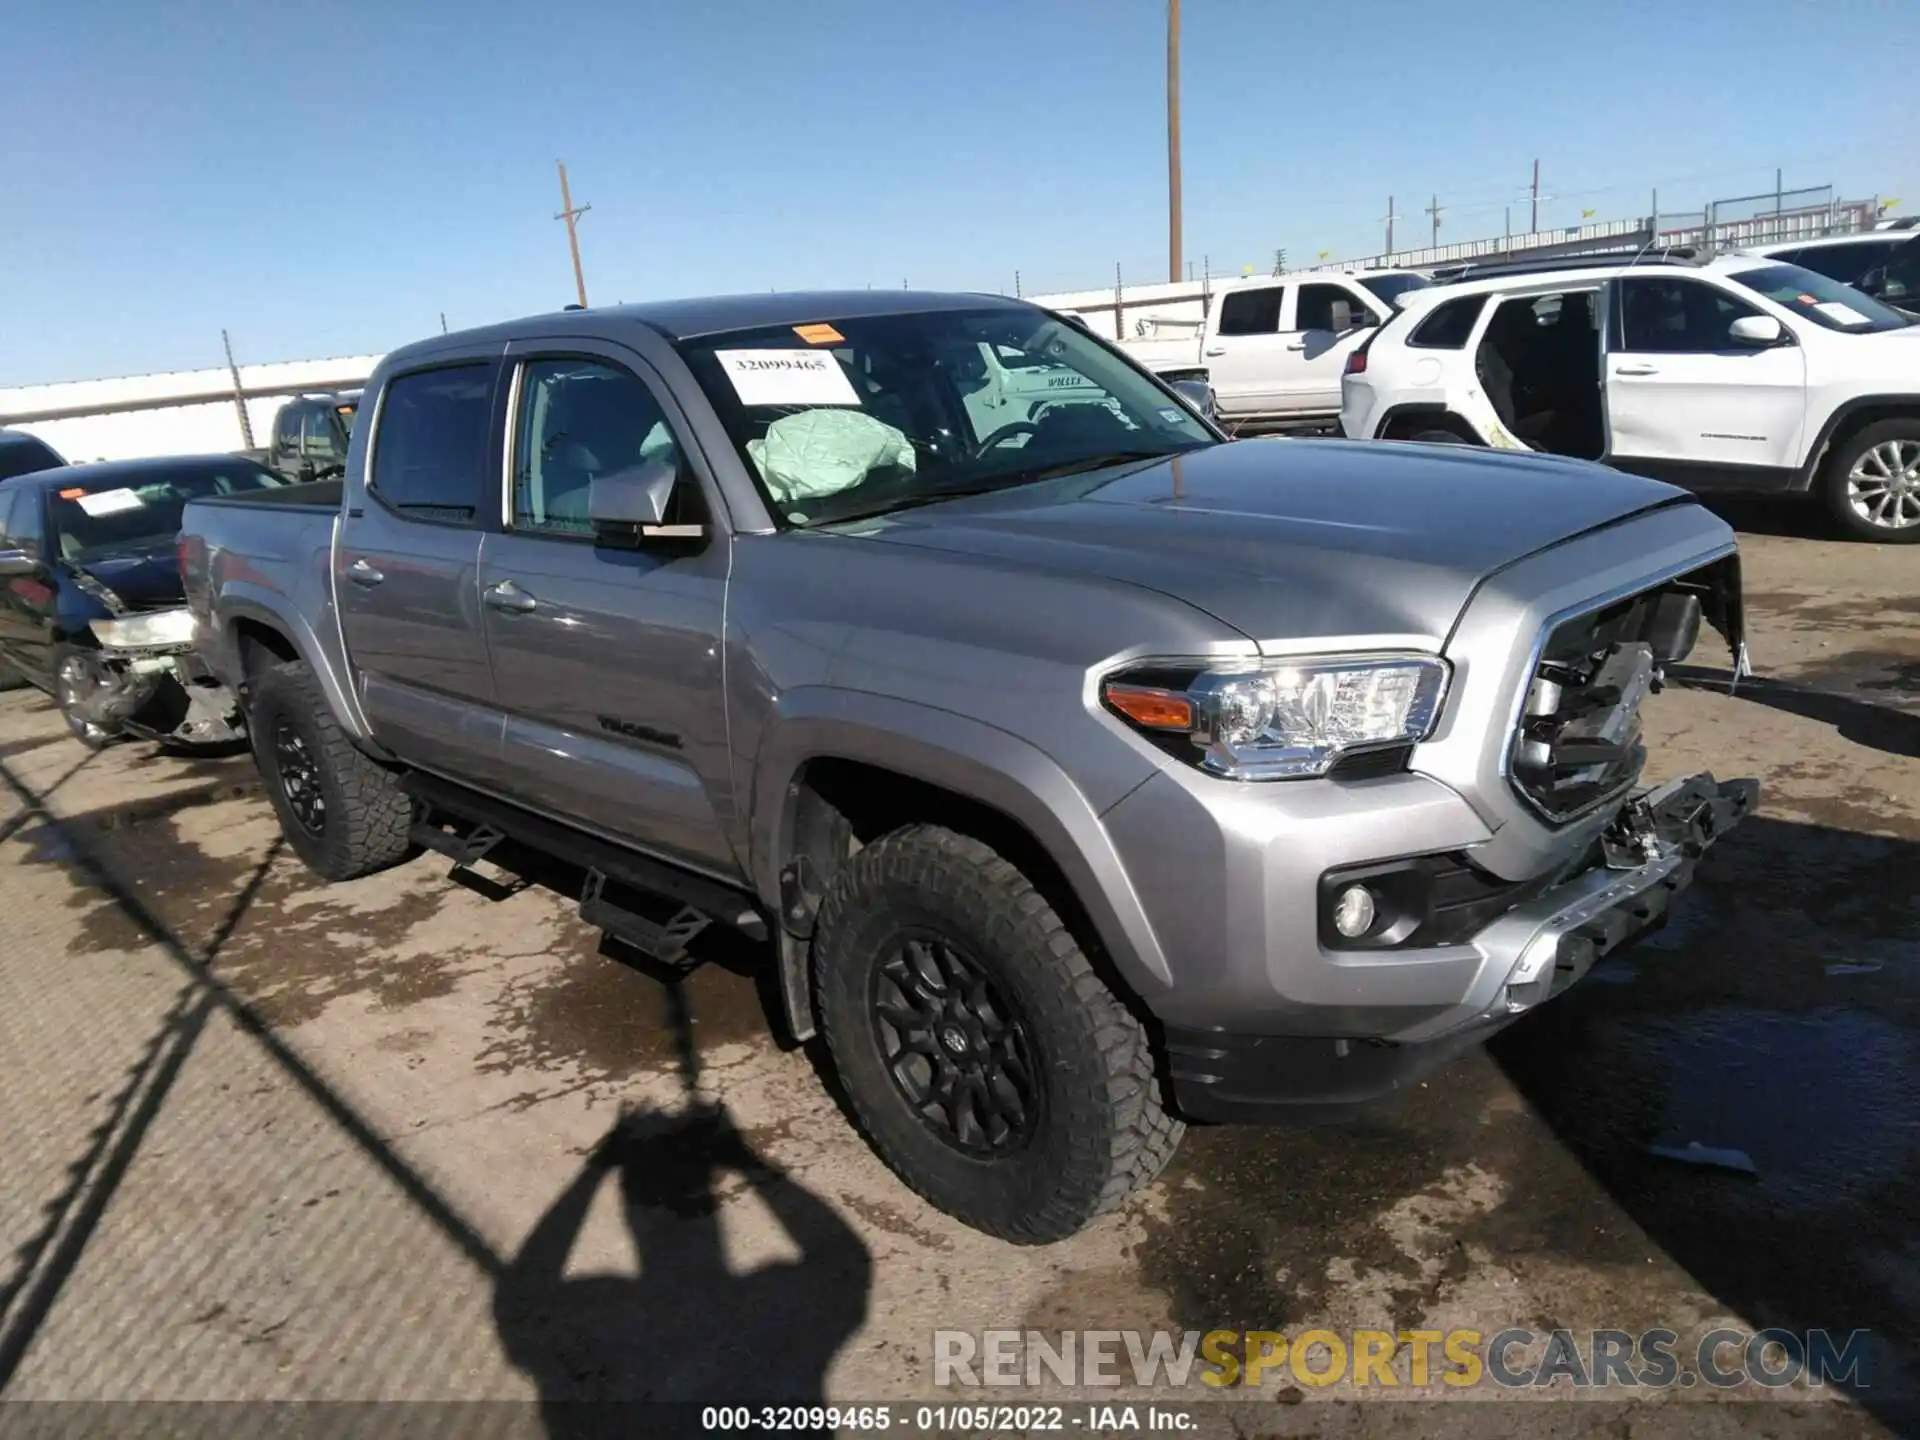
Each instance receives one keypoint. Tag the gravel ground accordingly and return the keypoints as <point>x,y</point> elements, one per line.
<point>266,1139</point>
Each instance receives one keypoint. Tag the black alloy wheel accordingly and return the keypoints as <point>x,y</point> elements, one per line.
<point>300,779</point>
<point>957,1054</point>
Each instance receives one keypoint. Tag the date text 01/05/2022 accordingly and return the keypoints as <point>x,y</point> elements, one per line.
<point>944,1419</point>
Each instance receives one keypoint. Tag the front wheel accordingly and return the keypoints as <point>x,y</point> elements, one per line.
<point>81,684</point>
<point>342,813</point>
<point>986,1061</point>
<point>1873,483</point>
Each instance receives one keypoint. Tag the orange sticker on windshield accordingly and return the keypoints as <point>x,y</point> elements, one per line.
<point>819,334</point>
<point>71,494</point>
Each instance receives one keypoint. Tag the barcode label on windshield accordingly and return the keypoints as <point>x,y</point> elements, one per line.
<point>787,377</point>
<point>110,502</point>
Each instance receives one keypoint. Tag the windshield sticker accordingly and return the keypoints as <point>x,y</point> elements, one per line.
<point>111,502</point>
<point>1841,314</point>
<point>1172,416</point>
<point>71,494</point>
<point>787,377</point>
<point>819,335</point>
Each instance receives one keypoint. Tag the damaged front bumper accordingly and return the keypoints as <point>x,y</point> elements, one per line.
<point>1624,888</point>
<point>151,693</point>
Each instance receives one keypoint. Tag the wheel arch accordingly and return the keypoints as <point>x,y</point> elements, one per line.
<point>1402,422</point>
<point>839,768</point>
<point>1846,421</point>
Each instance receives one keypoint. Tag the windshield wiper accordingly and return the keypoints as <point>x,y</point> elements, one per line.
<point>1097,462</point>
<point>1007,481</point>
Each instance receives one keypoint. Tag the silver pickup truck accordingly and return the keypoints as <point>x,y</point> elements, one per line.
<point>1083,773</point>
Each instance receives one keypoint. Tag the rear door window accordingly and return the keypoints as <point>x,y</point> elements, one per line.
<point>430,453</point>
<point>1252,312</point>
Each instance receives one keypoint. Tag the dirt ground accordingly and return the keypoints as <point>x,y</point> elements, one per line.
<point>261,1138</point>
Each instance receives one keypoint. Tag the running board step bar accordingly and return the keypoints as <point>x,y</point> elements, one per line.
<point>666,942</point>
<point>700,901</point>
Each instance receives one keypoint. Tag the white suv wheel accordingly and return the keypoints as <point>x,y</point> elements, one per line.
<point>1883,487</point>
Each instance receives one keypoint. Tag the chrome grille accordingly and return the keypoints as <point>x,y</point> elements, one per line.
<point>1578,744</point>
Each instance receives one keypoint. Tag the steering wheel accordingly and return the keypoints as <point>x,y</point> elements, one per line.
<point>1004,434</point>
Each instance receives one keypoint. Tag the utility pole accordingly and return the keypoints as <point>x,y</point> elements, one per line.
<point>239,395</point>
<point>571,213</point>
<point>1173,140</point>
<point>443,322</point>
<point>1390,218</point>
<point>1434,211</point>
<point>1279,262</point>
<point>1533,222</point>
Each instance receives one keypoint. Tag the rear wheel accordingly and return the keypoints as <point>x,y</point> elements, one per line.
<point>343,814</point>
<point>1873,483</point>
<point>985,1060</point>
<point>1441,437</point>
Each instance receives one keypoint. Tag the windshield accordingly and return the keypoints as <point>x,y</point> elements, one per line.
<point>857,417</point>
<point>109,518</point>
<point>1388,287</point>
<point>1823,301</point>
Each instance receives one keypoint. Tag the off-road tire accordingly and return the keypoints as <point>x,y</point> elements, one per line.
<point>367,816</point>
<point>1102,1131</point>
<point>1840,463</point>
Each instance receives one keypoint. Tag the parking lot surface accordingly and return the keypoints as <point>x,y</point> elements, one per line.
<point>412,1139</point>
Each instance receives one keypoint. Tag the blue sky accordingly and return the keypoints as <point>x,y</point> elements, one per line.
<point>326,179</point>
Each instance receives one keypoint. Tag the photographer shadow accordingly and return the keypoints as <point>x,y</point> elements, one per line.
<point>687,1328</point>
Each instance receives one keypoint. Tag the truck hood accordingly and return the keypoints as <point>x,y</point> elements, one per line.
<point>1291,540</point>
<point>145,579</point>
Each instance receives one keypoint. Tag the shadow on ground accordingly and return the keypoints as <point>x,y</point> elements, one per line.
<point>1779,1015</point>
<point>688,1327</point>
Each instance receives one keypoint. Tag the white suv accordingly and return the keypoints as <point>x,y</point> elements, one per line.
<point>1740,373</point>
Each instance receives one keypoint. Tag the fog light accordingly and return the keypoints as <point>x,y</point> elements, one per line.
<point>1353,912</point>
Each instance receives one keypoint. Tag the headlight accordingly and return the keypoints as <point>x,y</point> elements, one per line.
<point>144,632</point>
<point>1284,719</point>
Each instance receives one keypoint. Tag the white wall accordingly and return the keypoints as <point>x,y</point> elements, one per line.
<point>201,418</point>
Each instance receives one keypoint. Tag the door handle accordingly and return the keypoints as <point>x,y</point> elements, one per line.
<point>361,573</point>
<point>1297,344</point>
<point>1214,350</point>
<point>1636,369</point>
<point>510,598</point>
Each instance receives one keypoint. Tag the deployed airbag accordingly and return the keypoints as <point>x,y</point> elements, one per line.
<point>822,452</point>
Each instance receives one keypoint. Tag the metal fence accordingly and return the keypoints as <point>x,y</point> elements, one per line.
<point>1803,213</point>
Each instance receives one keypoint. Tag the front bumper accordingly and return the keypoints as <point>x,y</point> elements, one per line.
<point>167,695</point>
<point>1536,950</point>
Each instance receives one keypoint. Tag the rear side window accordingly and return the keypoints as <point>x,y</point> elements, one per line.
<point>430,455</point>
<point>1252,312</point>
<point>24,455</point>
<point>1450,325</point>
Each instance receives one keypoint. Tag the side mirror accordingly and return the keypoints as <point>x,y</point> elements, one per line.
<point>1757,330</point>
<point>1198,394</point>
<point>1349,316</point>
<point>632,503</point>
<point>17,564</point>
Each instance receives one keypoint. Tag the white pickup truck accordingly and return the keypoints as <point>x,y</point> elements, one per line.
<point>1273,348</point>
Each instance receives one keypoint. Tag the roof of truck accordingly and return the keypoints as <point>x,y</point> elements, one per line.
<point>713,315</point>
